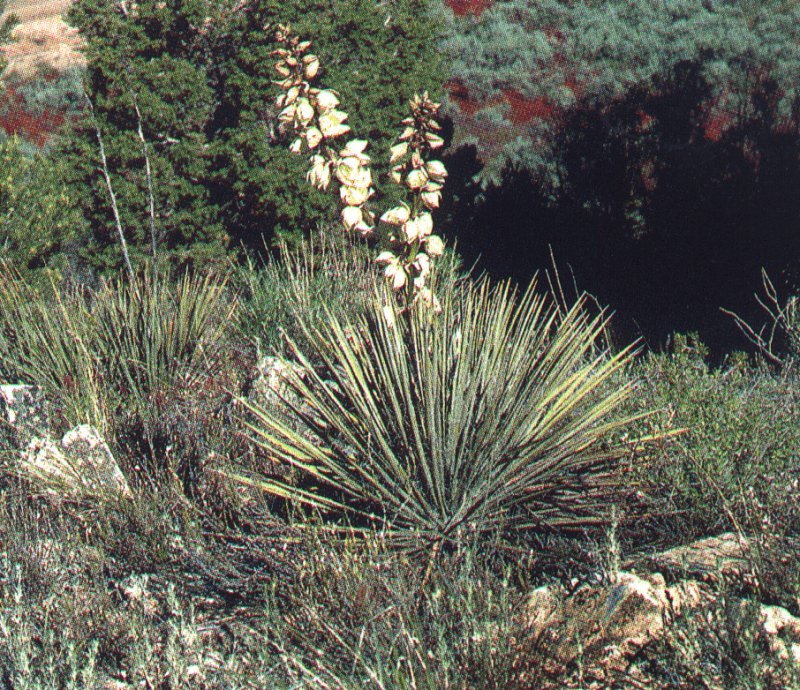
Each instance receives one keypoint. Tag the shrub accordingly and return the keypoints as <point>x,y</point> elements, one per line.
<point>735,467</point>
<point>38,221</point>
<point>520,66</point>
<point>445,429</point>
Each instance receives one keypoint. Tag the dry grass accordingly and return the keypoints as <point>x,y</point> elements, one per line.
<point>42,39</point>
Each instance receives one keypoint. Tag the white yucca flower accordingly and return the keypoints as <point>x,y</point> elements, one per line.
<point>398,151</point>
<point>310,66</point>
<point>436,170</point>
<point>352,217</point>
<point>305,111</point>
<point>313,137</point>
<point>397,215</point>
<point>351,173</point>
<point>418,228</point>
<point>331,124</point>
<point>355,196</point>
<point>320,173</point>
<point>416,179</point>
<point>434,245</point>
<point>355,149</point>
<point>326,100</point>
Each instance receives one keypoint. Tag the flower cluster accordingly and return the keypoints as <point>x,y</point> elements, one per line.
<point>413,244</point>
<point>313,115</point>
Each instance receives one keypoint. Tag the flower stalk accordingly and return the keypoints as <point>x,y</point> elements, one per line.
<point>314,117</point>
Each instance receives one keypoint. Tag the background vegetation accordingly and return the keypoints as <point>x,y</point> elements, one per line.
<point>501,446</point>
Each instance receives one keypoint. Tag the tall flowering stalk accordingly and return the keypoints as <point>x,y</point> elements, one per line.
<point>313,115</point>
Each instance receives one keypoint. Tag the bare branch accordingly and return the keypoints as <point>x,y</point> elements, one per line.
<point>110,188</point>
<point>151,196</point>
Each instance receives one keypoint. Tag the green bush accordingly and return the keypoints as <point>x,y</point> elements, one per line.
<point>445,429</point>
<point>38,220</point>
<point>127,343</point>
<point>736,464</point>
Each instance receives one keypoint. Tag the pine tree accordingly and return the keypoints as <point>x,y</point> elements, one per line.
<point>147,56</point>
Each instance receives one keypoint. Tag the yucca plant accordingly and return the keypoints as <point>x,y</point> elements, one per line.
<point>128,339</point>
<point>442,429</point>
<point>153,331</point>
<point>46,338</point>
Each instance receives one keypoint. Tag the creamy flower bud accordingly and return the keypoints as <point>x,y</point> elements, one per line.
<point>287,114</point>
<point>363,228</point>
<point>326,100</point>
<point>398,151</point>
<point>416,178</point>
<point>431,199</point>
<point>310,66</point>
<point>336,131</point>
<point>436,170</point>
<point>351,217</point>
<point>422,264</point>
<point>330,123</point>
<point>313,137</point>
<point>434,140</point>
<point>283,69</point>
<point>396,176</point>
<point>320,173</point>
<point>434,245</point>
<point>354,147</point>
<point>397,274</point>
<point>385,257</point>
<point>418,228</point>
<point>303,46</point>
<point>292,95</point>
<point>296,146</point>
<point>354,196</point>
<point>351,174</point>
<point>408,132</point>
<point>397,215</point>
<point>305,111</point>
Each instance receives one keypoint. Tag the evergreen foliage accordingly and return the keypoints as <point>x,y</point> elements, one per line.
<point>151,56</point>
<point>201,75</point>
<point>38,220</point>
<point>527,63</point>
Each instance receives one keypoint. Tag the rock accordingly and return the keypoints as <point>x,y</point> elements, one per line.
<point>782,630</point>
<point>82,464</point>
<point>23,414</point>
<point>612,622</point>
<point>271,386</point>
<point>725,556</point>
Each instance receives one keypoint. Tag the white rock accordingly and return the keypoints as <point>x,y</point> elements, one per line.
<point>82,464</point>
